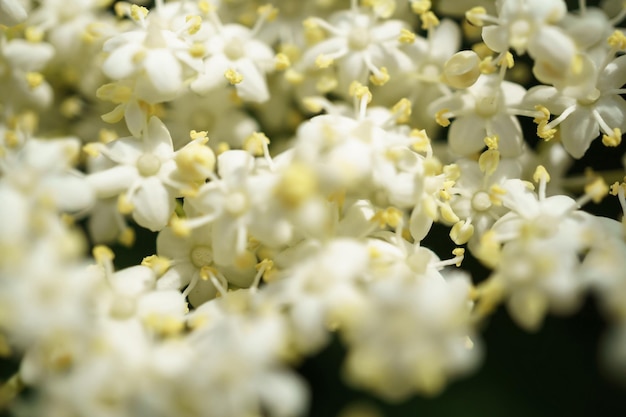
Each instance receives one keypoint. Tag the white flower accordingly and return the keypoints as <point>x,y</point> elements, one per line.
<point>143,175</point>
<point>21,80</point>
<point>235,56</point>
<point>487,108</point>
<point>587,105</point>
<point>360,46</point>
<point>154,56</point>
<point>428,323</point>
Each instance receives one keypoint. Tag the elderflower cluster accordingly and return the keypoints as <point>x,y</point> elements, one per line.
<point>291,160</point>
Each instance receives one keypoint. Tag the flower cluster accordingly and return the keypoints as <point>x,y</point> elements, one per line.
<point>116,116</point>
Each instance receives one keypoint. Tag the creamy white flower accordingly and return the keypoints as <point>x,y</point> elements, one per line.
<point>587,105</point>
<point>154,56</point>
<point>360,45</point>
<point>143,175</point>
<point>487,108</point>
<point>428,323</point>
<point>21,80</point>
<point>237,57</point>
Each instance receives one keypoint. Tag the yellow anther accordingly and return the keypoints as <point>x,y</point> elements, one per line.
<point>103,254</point>
<point>358,90</point>
<point>475,15</point>
<point>71,107</point>
<point>233,76</point>
<point>127,237</point>
<point>201,136</point>
<point>492,142</point>
<point>222,147</point>
<point>488,161</point>
<point>312,104</point>
<point>166,326</point>
<point>390,216</point>
<point>442,117</point>
<point>489,249</point>
<point>617,186</point>
<point>421,141</point>
<point>541,174</point>
<point>487,65</point>
<point>158,264</point>
<point>325,84</point>
<point>297,184</point>
<point>92,149</point>
<point>452,172</point>
<point>256,143</point>
<point>195,161</point>
<point>432,166</point>
<point>195,24</point>
<point>34,79</point>
<point>267,12</point>
<point>461,232</point>
<point>124,205</point>
<point>545,114</point>
<point>482,50</point>
<point>421,6</point>
<point>495,192</point>
<point>459,252</point>
<point>402,110</point>
<point>617,40</point>
<point>121,9</point>
<point>197,50</point>
<point>310,23</point>
<point>429,20</point>
<point>597,190</point>
<point>448,214</point>
<point>294,77</point>
<point>281,61</point>
<point>106,135</point>
<point>205,7</point>
<point>265,264</point>
<point>33,34</point>
<point>207,271</point>
<point>138,13</point>
<point>180,227</point>
<point>613,139</point>
<point>323,61</point>
<point>11,138</point>
<point>544,132</point>
<point>381,78</point>
<point>506,59</point>
<point>406,36</point>
<point>382,8</point>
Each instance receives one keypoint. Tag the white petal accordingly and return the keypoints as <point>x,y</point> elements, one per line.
<point>254,86</point>
<point>467,134</point>
<point>113,181</point>
<point>158,140</point>
<point>12,12</point>
<point>135,118</point>
<point>120,64</point>
<point>578,131</point>
<point>164,71</point>
<point>153,204</point>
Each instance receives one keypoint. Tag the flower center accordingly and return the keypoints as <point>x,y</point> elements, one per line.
<point>481,201</point>
<point>201,256</point>
<point>236,203</point>
<point>487,106</point>
<point>234,49</point>
<point>148,165</point>
<point>358,38</point>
